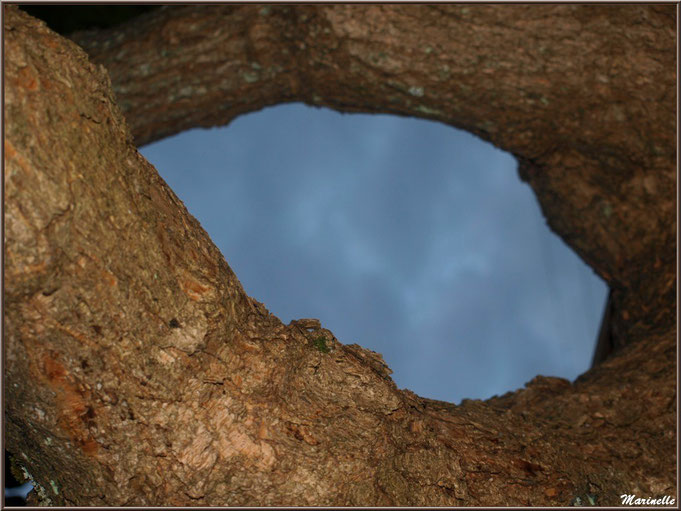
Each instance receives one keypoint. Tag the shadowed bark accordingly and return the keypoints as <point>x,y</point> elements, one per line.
<point>138,372</point>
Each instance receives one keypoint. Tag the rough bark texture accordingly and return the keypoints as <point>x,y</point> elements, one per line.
<point>139,372</point>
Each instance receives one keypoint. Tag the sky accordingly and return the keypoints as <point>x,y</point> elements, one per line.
<point>408,237</point>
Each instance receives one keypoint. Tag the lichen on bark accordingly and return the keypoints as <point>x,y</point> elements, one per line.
<point>138,371</point>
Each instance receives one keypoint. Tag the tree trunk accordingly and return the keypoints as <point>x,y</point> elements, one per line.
<point>138,372</point>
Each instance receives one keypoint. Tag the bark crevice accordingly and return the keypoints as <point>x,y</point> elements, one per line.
<point>136,364</point>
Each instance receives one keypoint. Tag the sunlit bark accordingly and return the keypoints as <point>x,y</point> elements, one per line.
<point>139,372</point>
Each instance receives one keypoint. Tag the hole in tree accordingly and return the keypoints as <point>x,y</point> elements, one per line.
<point>406,236</point>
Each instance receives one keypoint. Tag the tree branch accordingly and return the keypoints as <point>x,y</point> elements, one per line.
<point>581,95</point>
<point>140,373</point>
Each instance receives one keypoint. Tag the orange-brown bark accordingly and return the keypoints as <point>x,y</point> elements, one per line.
<point>139,372</point>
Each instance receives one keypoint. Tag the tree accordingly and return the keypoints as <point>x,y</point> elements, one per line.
<point>138,372</point>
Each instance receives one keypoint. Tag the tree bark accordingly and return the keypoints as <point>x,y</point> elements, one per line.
<point>138,372</point>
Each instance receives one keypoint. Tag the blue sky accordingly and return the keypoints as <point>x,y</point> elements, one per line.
<point>406,236</point>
